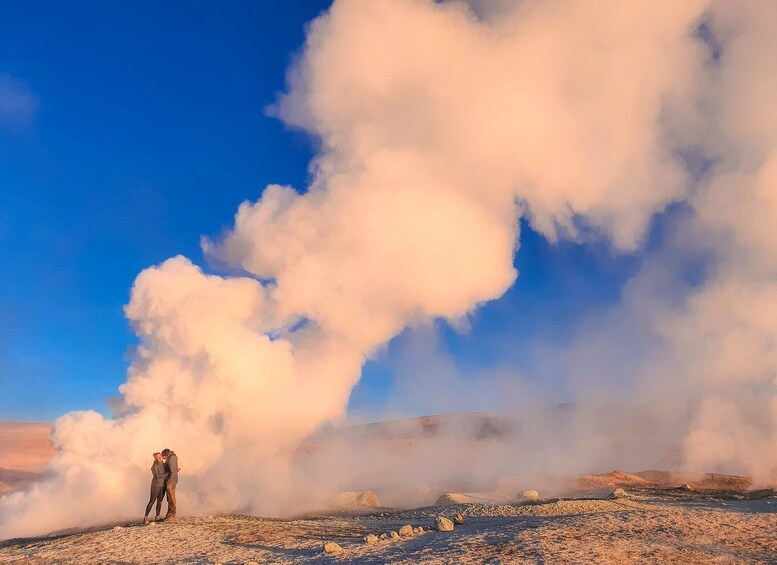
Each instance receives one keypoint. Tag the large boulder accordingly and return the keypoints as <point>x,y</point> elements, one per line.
<point>716,481</point>
<point>332,547</point>
<point>619,493</point>
<point>443,524</point>
<point>529,495</point>
<point>406,530</point>
<point>614,479</point>
<point>370,538</point>
<point>451,498</point>
<point>355,500</point>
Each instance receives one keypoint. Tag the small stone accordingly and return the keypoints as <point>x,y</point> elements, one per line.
<point>619,493</point>
<point>117,528</point>
<point>371,538</point>
<point>459,519</point>
<point>383,536</point>
<point>443,524</point>
<point>686,486</point>
<point>529,495</point>
<point>406,530</point>
<point>150,524</point>
<point>393,535</point>
<point>332,547</point>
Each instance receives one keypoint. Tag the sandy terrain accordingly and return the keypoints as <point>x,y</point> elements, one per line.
<point>650,526</point>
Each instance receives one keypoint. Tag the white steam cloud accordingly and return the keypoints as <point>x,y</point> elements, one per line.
<point>440,126</point>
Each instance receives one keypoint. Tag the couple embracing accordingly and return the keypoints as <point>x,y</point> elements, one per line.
<point>164,479</point>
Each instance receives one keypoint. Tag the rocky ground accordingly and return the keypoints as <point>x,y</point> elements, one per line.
<point>646,526</point>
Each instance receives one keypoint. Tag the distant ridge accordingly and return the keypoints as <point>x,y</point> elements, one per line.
<point>461,425</point>
<point>25,447</point>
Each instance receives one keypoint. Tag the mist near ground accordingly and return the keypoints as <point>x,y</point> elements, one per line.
<point>440,125</point>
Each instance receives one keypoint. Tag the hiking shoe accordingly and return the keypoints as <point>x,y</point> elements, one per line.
<point>145,519</point>
<point>157,518</point>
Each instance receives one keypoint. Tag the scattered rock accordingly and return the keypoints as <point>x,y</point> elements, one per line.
<point>686,486</point>
<point>383,536</point>
<point>421,530</point>
<point>393,535</point>
<point>371,538</point>
<point>619,493</point>
<point>443,524</point>
<point>406,530</point>
<point>151,524</point>
<point>332,547</point>
<point>529,495</point>
<point>117,528</point>
<point>459,519</point>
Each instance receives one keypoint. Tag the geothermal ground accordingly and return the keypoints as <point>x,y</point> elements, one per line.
<point>659,518</point>
<point>649,525</point>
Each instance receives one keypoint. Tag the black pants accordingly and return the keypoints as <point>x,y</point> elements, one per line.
<point>158,494</point>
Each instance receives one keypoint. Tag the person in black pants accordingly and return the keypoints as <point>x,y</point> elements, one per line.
<point>158,478</point>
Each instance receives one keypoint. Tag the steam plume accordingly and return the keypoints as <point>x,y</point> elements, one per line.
<point>439,128</point>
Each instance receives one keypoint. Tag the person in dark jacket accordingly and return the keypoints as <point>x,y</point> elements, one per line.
<point>158,478</point>
<point>171,466</point>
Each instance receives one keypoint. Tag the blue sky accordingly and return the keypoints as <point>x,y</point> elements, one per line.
<point>127,131</point>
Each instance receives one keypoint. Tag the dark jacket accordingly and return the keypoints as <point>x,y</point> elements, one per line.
<point>171,464</point>
<point>159,474</point>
